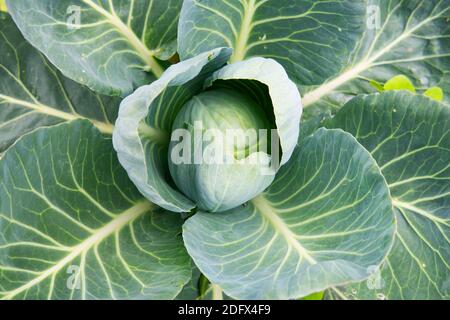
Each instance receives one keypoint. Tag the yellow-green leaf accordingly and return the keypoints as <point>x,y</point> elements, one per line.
<point>314,296</point>
<point>400,82</point>
<point>435,93</point>
<point>112,47</point>
<point>3,6</point>
<point>377,85</point>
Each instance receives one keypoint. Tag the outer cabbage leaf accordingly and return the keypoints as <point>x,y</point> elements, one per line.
<point>402,38</point>
<point>33,93</point>
<point>409,137</point>
<point>110,46</point>
<point>313,40</point>
<point>325,220</point>
<point>266,83</point>
<point>72,225</point>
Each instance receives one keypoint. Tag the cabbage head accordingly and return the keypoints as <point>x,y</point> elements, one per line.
<point>209,136</point>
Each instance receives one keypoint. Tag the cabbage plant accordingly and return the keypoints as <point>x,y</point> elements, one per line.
<point>237,149</point>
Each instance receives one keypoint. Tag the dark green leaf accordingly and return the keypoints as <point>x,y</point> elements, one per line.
<point>110,46</point>
<point>402,37</point>
<point>142,133</point>
<point>313,40</point>
<point>72,225</point>
<point>34,94</point>
<point>409,137</point>
<point>325,220</point>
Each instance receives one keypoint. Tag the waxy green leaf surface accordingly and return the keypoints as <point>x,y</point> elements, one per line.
<point>72,225</point>
<point>33,93</point>
<point>325,220</point>
<point>110,46</point>
<point>313,40</point>
<point>402,37</point>
<point>409,137</point>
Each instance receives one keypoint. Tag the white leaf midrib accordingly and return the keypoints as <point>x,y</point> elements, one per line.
<point>404,205</point>
<point>269,213</point>
<point>106,128</point>
<point>367,62</point>
<point>144,52</point>
<point>98,236</point>
<point>156,135</point>
<point>244,32</point>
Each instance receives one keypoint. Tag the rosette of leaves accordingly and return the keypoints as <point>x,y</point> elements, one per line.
<point>312,223</point>
<point>359,206</point>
